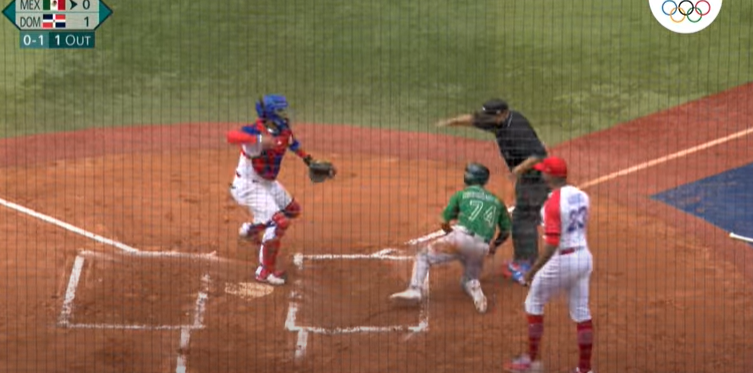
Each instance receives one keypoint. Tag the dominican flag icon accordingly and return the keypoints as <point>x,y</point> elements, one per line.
<point>53,21</point>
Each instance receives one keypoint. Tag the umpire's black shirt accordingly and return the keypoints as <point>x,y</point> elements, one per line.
<point>516,139</point>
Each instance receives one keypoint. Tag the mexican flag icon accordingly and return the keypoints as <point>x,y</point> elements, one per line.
<point>53,4</point>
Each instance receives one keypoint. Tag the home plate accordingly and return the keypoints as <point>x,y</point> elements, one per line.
<point>248,290</point>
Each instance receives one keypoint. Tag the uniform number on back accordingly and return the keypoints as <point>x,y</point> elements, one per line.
<point>489,214</point>
<point>577,219</point>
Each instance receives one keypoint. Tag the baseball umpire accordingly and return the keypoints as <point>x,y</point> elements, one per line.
<point>521,149</point>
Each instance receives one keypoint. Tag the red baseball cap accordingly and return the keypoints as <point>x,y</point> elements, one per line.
<point>552,165</point>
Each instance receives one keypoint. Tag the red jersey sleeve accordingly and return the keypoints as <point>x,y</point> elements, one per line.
<point>552,219</point>
<point>240,137</point>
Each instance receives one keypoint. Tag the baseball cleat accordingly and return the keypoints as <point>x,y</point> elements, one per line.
<point>523,364</point>
<point>271,279</point>
<point>408,297</point>
<point>577,370</point>
<point>480,304</point>
<point>515,271</point>
<point>506,270</point>
<point>473,288</point>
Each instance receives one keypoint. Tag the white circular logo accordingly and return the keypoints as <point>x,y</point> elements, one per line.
<point>685,16</point>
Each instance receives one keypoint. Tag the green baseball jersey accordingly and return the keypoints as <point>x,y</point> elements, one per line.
<point>479,211</point>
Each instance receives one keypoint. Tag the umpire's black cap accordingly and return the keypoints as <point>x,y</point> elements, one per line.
<point>494,106</point>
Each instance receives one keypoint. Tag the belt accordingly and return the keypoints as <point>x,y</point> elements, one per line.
<point>570,250</point>
<point>473,234</point>
<point>252,180</point>
<point>486,241</point>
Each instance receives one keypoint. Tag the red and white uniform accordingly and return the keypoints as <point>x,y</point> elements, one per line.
<point>255,184</point>
<point>565,223</point>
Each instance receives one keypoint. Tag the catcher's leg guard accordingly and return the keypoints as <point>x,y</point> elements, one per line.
<point>292,210</point>
<point>268,261</point>
<point>281,223</point>
<point>270,248</point>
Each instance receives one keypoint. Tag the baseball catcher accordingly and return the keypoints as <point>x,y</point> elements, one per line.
<point>263,145</point>
<point>479,213</point>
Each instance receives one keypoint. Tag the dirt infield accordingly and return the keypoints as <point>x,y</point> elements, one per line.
<point>669,293</point>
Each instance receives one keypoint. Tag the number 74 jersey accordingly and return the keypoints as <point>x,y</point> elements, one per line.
<point>565,217</point>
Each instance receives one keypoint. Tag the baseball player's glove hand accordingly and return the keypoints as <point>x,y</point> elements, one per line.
<point>320,171</point>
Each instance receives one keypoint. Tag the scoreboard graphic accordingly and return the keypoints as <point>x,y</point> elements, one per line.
<point>57,24</point>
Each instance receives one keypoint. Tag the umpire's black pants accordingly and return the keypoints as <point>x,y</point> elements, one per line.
<point>530,194</point>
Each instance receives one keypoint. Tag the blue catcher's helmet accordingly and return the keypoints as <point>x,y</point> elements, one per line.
<point>270,106</point>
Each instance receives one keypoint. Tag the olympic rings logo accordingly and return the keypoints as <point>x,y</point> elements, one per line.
<point>689,13</point>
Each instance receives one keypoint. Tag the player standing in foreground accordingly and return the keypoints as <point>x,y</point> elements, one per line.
<point>263,145</point>
<point>565,265</point>
<point>478,213</point>
<point>521,148</point>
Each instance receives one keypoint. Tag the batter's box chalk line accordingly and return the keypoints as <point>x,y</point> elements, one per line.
<point>303,331</point>
<point>103,240</point>
<point>66,312</point>
<point>738,237</point>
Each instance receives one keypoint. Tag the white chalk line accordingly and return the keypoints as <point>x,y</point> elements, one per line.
<point>303,331</point>
<point>439,233</point>
<point>95,237</point>
<point>359,329</point>
<point>70,291</point>
<point>301,343</point>
<point>185,337</point>
<point>67,308</point>
<point>428,237</point>
<point>198,321</point>
<point>185,330</point>
<point>302,340</point>
<point>129,327</point>
<point>666,158</point>
<point>741,238</point>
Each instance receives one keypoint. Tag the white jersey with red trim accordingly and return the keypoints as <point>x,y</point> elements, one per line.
<point>565,218</point>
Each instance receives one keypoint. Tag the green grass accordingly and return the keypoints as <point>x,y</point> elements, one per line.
<point>572,67</point>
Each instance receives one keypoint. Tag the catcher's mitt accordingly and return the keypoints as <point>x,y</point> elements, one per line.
<point>320,171</point>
